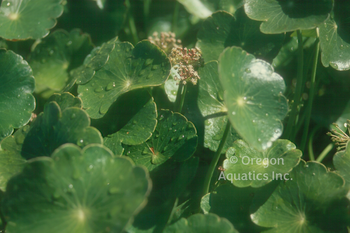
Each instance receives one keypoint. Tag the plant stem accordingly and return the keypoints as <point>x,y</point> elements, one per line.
<point>310,147</point>
<point>325,152</point>
<point>294,112</point>
<point>180,97</point>
<point>175,17</point>
<point>311,96</point>
<point>215,160</point>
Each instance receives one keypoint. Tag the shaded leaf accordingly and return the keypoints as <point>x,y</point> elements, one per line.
<point>66,100</point>
<point>17,86</point>
<point>310,201</point>
<point>222,30</point>
<point>54,127</point>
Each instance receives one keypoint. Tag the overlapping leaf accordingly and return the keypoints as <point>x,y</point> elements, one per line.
<point>253,97</point>
<point>222,30</point>
<point>127,69</point>
<point>55,55</point>
<point>248,167</point>
<point>76,191</point>
<point>66,100</point>
<point>288,15</point>
<point>311,200</point>
<point>335,37</point>
<point>54,127</point>
<point>24,19</point>
<point>174,138</point>
<point>17,86</point>
<point>11,161</point>
<point>212,107</point>
<point>341,161</point>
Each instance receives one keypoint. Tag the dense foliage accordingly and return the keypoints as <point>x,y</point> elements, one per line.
<point>174,116</point>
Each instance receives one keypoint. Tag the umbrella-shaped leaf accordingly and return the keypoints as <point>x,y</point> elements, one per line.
<point>335,37</point>
<point>76,191</point>
<point>138,129</point>
<point>174,138</point>
<point>288,15</point>
<point>66,100</point>
<point>54,127</point>
<point>309,201</point>
<point>202,223</point>
<point>127,69</point>
<point>212,106</point>
<point>17,86</point>
<point>11,161</point>
<point>253,97</point>
<point>249,167</point>
<point>55,55</point>
<point>24,19</point>
<point>222,30</point>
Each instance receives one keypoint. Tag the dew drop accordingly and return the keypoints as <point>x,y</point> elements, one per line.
<point>260,105</point>
<point>142,72</point>
<point>217,28</point>
<point>8,4</point>
<point>313,174</point>
<point>150,75</point>
<point>110,86</point>
<point>165,148</point>
<point>80,142</point>
<point>306,165</point>
<point>254,121</point>
<point>259,139</point>
<point>104,108</point>
<point>51,52</point>
<point>70,186</point>
<point>341,46</point>
<point>173,92</point>
<point>154,67</point>
<point>73,116</point>
<point>69,43</point>
<point>161,117</point>
<point>98,89</point>
<point>248,70</point>
<point>267,114</point>
<point>233,113</point>
<point>148,62</point>
<point>20,139</point>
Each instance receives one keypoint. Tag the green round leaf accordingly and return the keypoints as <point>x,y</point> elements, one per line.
<point>174,138</point>
<point>24,19</point>
<point>127,69</point>
<point>54,127</point>
<point>75,191</point>
<point>288,15</point>
<point>253,97</point>
<point>310,201</point>
<point>211,105</point>
<point>341,161</point>
<point>17,86</point>
<point>335,37</point>
<point>11,161</point>
<point>55,55</point>
<point>201,223</point>
<point>66,100</point>
<point>249,167</point>
<point>171,86</point>
<point>222,30</point>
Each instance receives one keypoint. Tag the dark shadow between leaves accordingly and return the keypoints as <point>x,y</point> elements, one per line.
<point>302,9</point>
<point>342,19</point>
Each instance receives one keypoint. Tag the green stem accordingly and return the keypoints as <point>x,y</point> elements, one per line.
<point>294,112</point>
<point>325,152</point>
<point>311,96</point>
<point>310,147</point>
<point>215,160</point>
<point>180,97</point>
<point>175,17</point>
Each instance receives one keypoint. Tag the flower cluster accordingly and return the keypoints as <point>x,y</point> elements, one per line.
<point>185,61</point>
<point>166,42</point>
<point>339,136</point>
